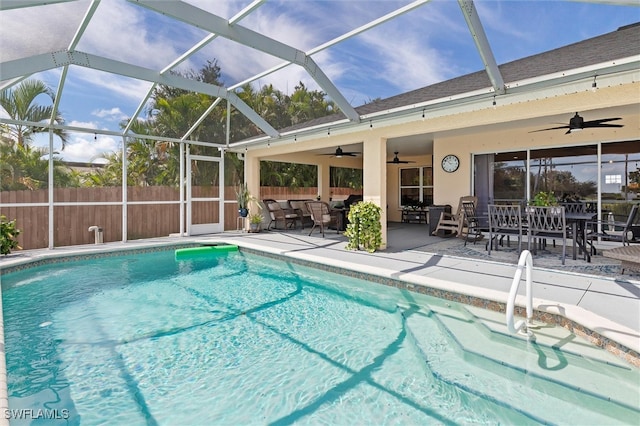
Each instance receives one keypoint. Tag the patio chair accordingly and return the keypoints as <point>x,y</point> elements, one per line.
<point>322,216</point>
<point>504,221</point>
<point>454,222</point>
<point>471,225</point>
<point>279,215</point>
<point>546,222</point>
<point>577,207</point>
<point>612,229</point>
<point>300,208</point>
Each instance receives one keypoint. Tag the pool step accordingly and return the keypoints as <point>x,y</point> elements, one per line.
<point>545,335</point>
<point>457,349</point>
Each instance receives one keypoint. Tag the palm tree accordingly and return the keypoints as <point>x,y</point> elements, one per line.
<point>20,105</point>
<point>26,167</point>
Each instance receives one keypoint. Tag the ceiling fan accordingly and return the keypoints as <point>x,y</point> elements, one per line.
<point>340,153</point>
<point>577,123</point>
<point>396,160</point>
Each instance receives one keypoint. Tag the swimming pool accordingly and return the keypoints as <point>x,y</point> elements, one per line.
<point>244,339</point>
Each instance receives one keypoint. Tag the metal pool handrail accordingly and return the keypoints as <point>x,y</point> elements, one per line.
<point>521,327</point>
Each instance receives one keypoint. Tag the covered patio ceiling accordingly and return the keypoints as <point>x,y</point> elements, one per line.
<point>71,48</point>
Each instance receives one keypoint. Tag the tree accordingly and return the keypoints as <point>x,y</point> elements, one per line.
<point>20,104</point>
<point>26,167</point>
<point>173,112</point>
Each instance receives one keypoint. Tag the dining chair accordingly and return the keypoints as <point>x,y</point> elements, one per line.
<point>322,216</point>
<point>504,221</point>
<point>612,229</point>
<point>574,207</point>
<point>546,222</point>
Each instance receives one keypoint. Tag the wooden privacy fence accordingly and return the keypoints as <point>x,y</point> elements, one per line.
<point>157,216</point>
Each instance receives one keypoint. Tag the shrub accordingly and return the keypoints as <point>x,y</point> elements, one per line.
<point>364,228</point>
<point>8,235</point>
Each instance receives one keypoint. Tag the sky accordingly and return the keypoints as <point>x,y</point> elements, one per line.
<point>429,44</point>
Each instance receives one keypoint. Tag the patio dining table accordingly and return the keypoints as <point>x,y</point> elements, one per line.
<point>578,222</point>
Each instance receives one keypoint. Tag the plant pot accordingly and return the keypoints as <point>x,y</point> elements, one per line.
<point>254,227</point>
<point>243,212</point>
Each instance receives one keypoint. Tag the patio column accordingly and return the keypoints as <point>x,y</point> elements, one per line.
<point>374,171</point>
<point>324,182</point>
<point>252,176</point>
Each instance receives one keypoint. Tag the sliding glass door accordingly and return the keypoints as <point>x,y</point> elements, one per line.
<point>606,173</point>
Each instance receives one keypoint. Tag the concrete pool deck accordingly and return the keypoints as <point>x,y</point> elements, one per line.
<point>606,305</point>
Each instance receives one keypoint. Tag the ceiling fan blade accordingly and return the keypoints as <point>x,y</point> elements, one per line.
<point>550,128</point>
<point>340,153</point>
<point>596,123</point>
<point>396,160</point>
<point>603,125</point>
<point>577,123</point>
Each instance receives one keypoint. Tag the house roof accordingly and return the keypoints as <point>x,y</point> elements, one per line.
<point>603,50</point>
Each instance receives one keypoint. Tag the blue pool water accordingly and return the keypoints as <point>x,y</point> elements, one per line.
<point>243,339</point>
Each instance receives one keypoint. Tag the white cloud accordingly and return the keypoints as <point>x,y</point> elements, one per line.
<point>84,148</point>
<point>110,114</point>
<point>83,124</point>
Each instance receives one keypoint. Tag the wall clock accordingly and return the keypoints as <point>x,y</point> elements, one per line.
<point>450,163</point>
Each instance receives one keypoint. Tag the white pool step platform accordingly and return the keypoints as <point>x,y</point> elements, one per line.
<point>463,357</point>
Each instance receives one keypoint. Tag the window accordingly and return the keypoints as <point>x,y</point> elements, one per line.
<point>568,172</point>
<point>572,172</point>
<point>416,186</point>
<point>620,176</point>
<point>609,179</point>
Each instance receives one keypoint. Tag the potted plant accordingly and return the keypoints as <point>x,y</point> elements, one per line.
<point>8,235</point>
<point>545,199</point>
<point>244,197</point>
<point>255,222</point>
<point>364,228</point>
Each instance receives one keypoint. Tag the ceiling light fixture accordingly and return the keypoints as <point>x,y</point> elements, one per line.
<point>575,124</point>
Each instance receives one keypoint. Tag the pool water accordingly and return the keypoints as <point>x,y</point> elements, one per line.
<point>243,339</point>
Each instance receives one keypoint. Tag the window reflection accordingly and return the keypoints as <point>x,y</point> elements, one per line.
<point>571,173</point>
<point>620,176</point>
<point>510,177</point>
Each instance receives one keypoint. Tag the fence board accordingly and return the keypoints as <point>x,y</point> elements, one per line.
<point>144,221</point>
